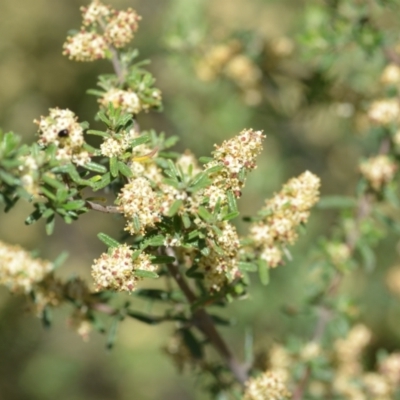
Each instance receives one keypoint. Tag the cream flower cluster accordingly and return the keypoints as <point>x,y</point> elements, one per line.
<point>94,12</point>
<point>384,111</point>
<point>391,75</point>
<point>117,145</point>
<point>229,61</point>
<point>29,175</point>
<point>352,381</point>
<point>117,270</point>
<point>221,267</point>
<point>282,214</point>
<point>268,386</point>
<point>349,349</point>
<point>378,171</point>
<point>140,204</point>
<point>233,155</point>
<point>127,100</point>
<point>85,46</point>
<point>61,128</point>
<point>19,271</point>
<point>117,29</point>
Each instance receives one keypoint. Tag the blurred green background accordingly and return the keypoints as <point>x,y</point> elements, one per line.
<point>45,364</point>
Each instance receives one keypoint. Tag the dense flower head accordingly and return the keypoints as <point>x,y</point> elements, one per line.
<point>116,270</point>
<point>140,204</point>
<point>348,350</point>
<point>221,267</point>
<point>282,214</point>
<point>29,174</point>
<point>384,111</point>
<point>240,152</point>
<point>127,100</point>
<point>19,271</point>
<point>243,71</point>
<point>378,170</point>
<point>103,27</point>
<point>390,368</point>
<point>94,12</point>
<point>391,75</point>
<point>267,386</point>
<point>117,145</point>
<point>212,63</point>
<point>61,128</point>
<point>121,28</point>
<point>86,46</point>
<point>233,156</point>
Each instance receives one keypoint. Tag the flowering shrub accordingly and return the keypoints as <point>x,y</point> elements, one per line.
<point>178,212</point>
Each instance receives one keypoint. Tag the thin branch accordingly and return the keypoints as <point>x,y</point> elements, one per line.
<point>105,209</point>
<point>116,62</point>
<point>206,325</point>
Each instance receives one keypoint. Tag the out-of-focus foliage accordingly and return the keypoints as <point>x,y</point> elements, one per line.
<point>304,72</point>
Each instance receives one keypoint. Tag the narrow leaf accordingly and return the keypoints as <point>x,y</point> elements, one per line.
<point>109,241</point>
<point>263,271</point>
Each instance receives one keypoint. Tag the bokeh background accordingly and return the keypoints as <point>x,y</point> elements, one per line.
<point>36,363</point>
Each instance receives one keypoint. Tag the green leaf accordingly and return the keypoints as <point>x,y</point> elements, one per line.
<point>48,213</point>
<point>155,241</point>
<point>34,217</point>
<point>62,195</point>
<point>231,216</point>
<point>153,294</point>
<point>105,181</point>
<point>114,166</point>
<point>136,223</point>
<point>191,342</point>
<point>263,271</point>
<point>200,181</point>
<point>336,202</point>
<point>8,178</point>
<point>247,266</point>
<point>205,214</point>
<point>112,333</point>
<point>171,141</point>
<point>205,160</point>
<point>186,221</point>
<point>124,169</point>
<point>142,139</point>
<point>368,256</point>
<point>103,117</point>
<point>249,346</point>
<point>98,133</point>
<point>175,208</point>
<point>60,259</point>
<point>147,319</point>
<point>142,273</point>
<point>74,205</point>
<point>47,193</point>
<point>231,201</point>
<point>92,166</point>
<point>162,260</point>
<point>214,169</point>
<point>109,241</point>
<point>50,225</point>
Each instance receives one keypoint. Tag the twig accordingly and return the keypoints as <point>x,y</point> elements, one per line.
<point>104,209</point>
<point>206,325</point>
